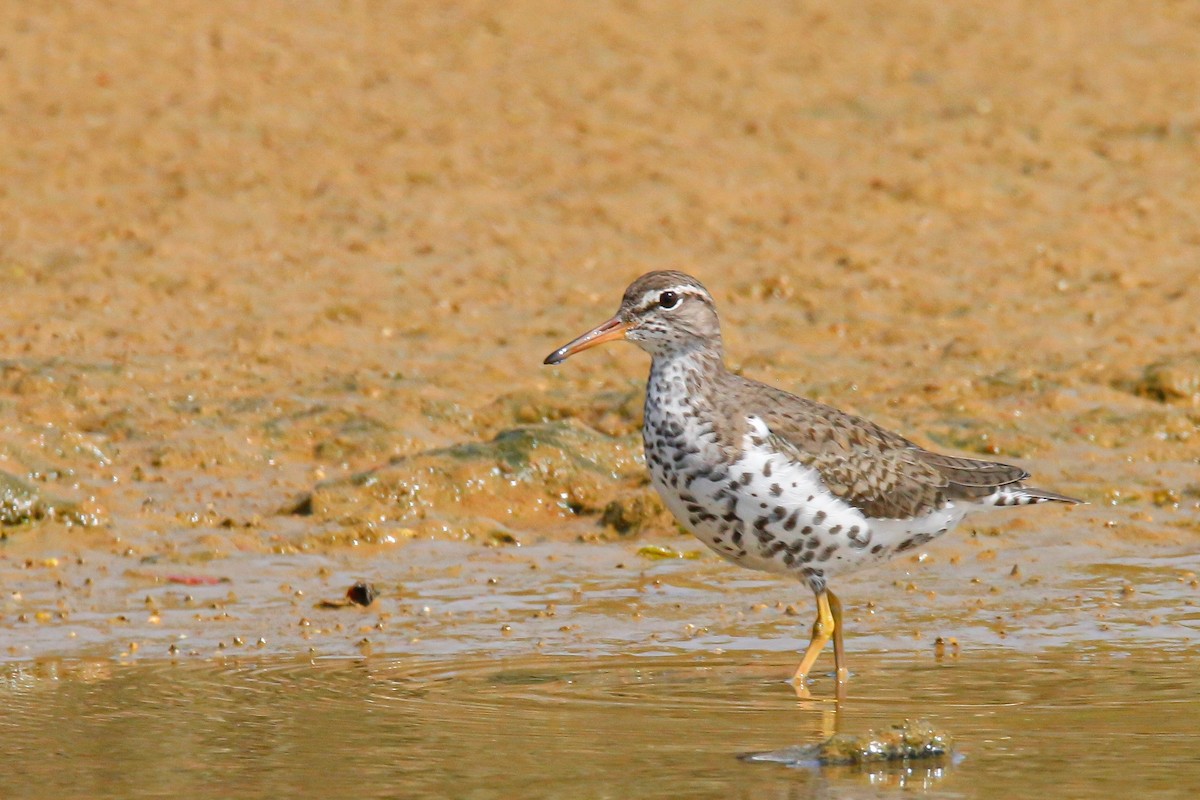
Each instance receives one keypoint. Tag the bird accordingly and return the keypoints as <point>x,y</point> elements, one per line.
<point>777,482</point>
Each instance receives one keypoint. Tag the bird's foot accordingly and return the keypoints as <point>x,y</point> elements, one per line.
<point>799,684</point>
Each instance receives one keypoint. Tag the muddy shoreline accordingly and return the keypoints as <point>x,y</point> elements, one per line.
<point>274,311</point>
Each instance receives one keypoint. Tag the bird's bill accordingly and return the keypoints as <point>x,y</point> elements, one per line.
<point>604,332</point>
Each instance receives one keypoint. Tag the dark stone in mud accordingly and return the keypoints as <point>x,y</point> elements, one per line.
<point>361,594</point>
<point>22,502</point>
<point>531,478</point>
<point>303,507</point>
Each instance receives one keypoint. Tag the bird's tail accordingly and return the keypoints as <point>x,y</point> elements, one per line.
<point>1027,495</point>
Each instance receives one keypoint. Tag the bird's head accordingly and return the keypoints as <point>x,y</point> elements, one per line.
<point>665,313</point>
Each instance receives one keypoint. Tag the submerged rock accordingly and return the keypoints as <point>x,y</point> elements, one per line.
<point>530,478</point>
<point>914,740</point>
<point>22,502</point>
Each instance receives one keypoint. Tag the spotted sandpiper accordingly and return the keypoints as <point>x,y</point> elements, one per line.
<point>780,483</point>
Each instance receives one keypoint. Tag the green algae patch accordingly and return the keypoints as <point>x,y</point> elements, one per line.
<point>22,503</point>
<point>656,552</point>
<point>914,740</point>
<point>910,741</point>
<point>559,479</point>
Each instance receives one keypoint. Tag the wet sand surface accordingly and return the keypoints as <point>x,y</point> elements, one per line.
<point>277,287</point>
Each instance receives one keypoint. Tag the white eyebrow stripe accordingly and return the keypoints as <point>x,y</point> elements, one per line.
<point>650,298</point>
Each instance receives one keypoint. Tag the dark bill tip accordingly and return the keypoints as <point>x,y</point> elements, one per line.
<point>604,332</point>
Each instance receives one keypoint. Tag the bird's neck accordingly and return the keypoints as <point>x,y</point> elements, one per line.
<point>687,400</point>
<point>708,360</point>
<point>685,378</point>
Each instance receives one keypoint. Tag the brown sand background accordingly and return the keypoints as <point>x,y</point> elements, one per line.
<point>249,247</point>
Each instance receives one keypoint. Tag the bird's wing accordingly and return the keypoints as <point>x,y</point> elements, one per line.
<point>872,469</point>
<point>971,474</point>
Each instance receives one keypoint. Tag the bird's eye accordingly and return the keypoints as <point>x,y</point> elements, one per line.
<point>668,299</point>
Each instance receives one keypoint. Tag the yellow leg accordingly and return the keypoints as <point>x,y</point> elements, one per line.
<point>828,625</point>
<point>839,649</point>
<point>821,631</point>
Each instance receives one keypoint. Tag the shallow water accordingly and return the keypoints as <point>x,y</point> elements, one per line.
<point>1069,723</point>
<point>591,670</point>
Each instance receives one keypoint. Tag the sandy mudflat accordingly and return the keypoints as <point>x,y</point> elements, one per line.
<point>250,247</point>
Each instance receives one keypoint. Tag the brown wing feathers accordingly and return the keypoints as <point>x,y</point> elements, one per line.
<point>971,476</point>
<point>878,472</point>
